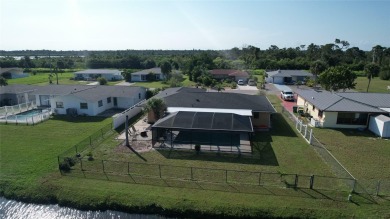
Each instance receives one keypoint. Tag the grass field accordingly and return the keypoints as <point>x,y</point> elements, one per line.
<point>377,85</point>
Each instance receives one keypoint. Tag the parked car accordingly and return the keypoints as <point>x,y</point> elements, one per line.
<point>251,82</point>
<point>240,82</point>
<point>287,95</point>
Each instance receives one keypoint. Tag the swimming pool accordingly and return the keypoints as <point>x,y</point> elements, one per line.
<point>30,116</point>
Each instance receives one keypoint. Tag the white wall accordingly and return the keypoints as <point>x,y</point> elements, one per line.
<point>120,118</point>
<point>330,121</point>
<point>71,102</point>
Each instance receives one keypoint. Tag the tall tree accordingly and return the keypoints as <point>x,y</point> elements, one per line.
<point>166,69</point>
<point>338,78</point>
<point>371,70</point>
<point>377,54</point>
<point>155,107</point>
<point>316,68</point>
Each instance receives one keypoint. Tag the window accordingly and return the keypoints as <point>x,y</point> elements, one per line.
<point>314,108</point>
<point>100,103</point>
<point>352,118</point>
<point>143,77</point>
<point>256,115</point>
<point>320,113</point>
<point>59,104</point>
<point>83,105</point>
<point>108,99</point>
<point>139,95</point>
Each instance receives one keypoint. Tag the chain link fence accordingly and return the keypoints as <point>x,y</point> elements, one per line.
<point>370,187</point>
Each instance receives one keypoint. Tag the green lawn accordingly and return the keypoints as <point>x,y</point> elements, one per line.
<point>376,86</point>
<point>362,153</point>
<point>159,84</point>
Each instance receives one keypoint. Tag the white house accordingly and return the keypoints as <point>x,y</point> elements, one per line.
<point>87,100</point>
<point>230,73</point>
<point>286,76</point>
<point>153,74</point>
<point>342,110</point>
<point>11,73</point>
<point>93,74</point>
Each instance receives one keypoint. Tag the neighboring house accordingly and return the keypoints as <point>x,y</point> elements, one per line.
<point>286,76</point>
<point>256,107</point>
<point>87,100</point>
<point>11,73</point>
<point>93,74</point>
<point>153,74</point>
<point>229,73</point>
<point>16,94</point>
<point>342,110</point>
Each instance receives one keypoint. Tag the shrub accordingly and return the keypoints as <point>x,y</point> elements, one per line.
<point>66,164</point>
<point>234,85</point>
<point>385,73</point>
<point>102,81</point>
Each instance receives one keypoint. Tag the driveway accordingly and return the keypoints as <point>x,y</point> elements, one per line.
<point>246,87</point>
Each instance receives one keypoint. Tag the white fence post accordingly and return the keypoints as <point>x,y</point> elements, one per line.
<point>311,136</point>
<point>305,130</point>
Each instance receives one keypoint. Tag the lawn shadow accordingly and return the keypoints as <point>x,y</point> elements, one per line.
<point>78,119</point>
<point>262,149</point>
<point>280,127</point>
<point>213,156</point>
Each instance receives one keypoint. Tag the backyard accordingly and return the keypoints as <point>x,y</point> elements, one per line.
<point>376,86</point>
<point>29,171</point>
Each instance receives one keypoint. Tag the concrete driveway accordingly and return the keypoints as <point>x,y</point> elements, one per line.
<point>246,87</point>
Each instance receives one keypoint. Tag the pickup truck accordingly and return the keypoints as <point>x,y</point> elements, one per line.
<point>287,95</point>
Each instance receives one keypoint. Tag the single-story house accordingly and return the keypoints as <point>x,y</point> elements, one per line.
<point>11,73</point>
<point>87,100</point>
<point>286,76</point>
<point>229,73</point>
<point>193,115</point>
<point>344,109</point>
<point>93,74</point>
<point>15,94</point>
<point>153,74</point>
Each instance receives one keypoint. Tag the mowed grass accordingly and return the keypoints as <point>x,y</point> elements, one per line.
<point>376,86</point>
<point>361,152</point>
<point>29,152</point>
<point>159,84</point>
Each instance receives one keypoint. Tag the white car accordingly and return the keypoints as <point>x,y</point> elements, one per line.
<point>240,82</point>
<point>287,95</point>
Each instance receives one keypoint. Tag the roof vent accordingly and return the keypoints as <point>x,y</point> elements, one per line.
<point>197,100</point>
<point>312,98</point>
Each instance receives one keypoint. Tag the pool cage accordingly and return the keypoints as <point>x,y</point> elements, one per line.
<point>219,132</point>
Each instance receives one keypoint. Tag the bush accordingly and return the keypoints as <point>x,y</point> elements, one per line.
<point>102,81</point>
<point>234,85</point>
<point>66,164</point>
<point>385,73</point>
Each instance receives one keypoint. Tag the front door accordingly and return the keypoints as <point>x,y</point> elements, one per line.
<point>115,102</point>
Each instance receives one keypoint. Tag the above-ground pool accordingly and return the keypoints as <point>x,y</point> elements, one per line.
<point>30,116</point>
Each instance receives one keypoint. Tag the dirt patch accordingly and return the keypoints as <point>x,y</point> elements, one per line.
<point>138,146</point>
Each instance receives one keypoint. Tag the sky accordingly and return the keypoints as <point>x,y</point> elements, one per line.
<point>223,24</point>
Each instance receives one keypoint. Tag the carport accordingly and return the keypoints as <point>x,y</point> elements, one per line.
<point>214,131</point>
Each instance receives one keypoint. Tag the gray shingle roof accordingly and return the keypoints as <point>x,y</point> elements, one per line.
<point>373,99</point>
<point>100,71</point>
<point>88,92</point>
<point>174,90</point>
<point>289,73</point>
<point>17,88</point>
<point>341,102</point>
<point>219,101</point>
<point>147,71</point>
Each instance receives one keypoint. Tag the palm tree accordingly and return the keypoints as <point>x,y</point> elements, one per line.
<point>155,108</point>
<point>372,70</point>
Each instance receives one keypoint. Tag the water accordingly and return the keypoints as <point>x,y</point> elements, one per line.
<point>10,209</point>
<point>24,115</point>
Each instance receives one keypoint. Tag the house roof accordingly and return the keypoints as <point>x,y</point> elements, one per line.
<point>219,101</point>
<point>88,92</point>
<point>147,71</point>
<point>373,99</point>
<point>289,73</point>
<point>4,70</point>
<point>17,88</point>
<point>100,71</point>
<point>339,102</point>
<point>174,90</point>
<point>206,121</point>
<point>229,72</point>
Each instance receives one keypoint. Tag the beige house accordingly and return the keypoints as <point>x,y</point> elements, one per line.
<point>342,110</point>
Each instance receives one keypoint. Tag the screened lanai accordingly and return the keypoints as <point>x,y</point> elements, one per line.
<point>222,132</point>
